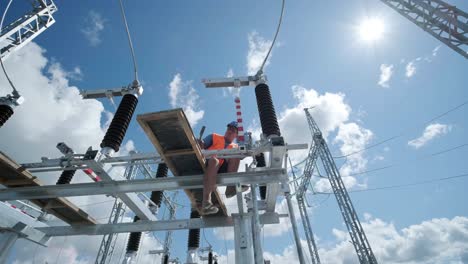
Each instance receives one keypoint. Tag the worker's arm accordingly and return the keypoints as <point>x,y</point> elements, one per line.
<point>207,141</point>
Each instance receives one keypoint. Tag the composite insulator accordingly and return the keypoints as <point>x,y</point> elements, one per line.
<point>6,112</point>
<point>260,164</point>
<point>156,196</point>
<point>166,259</point>
<point>210,258</point>
<point>118,127</point>
<point>194,234</point>
<point>266,110</point>
<point>134,239</point>
<point>66,177</point>
<point>260,160</point>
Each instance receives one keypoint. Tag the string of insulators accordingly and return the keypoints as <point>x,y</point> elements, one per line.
<point>210,257</point>
<point>260,164</point>
<point>66,177</point>
<point>156,196</point>
<point>194,234</point>
<point>268,119</point>
<point>134,239</point>
<point>118,127</point>
<point>166,259</point>
<point>240,125</point>
<point>6,112</point>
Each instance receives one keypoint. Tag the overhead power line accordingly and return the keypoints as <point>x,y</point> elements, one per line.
<point>405,184</point>
<point>15,92</point>
<point>124,18</point>
<point>260,71</point>
<point>403,132</point>
<point>414,183</point>
<point>407,161</point>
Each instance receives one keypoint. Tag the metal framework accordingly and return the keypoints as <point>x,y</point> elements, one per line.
<point>443,21</point>
<point>246,223</point>
<point>356,232</point>
<point>22,31</point>
<point>301,190</point>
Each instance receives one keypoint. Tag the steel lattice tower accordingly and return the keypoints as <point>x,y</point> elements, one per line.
<point>300,196</point>
<point>22,31</point>
<point>320,149</point>
<point>443,21</point>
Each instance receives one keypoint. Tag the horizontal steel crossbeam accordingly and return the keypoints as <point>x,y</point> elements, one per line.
<point>142,226</point>
<point>119,188</point>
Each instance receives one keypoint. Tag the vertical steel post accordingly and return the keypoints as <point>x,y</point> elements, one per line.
<point>7,240</point>
<point>257,243</point>
<point>292,217</point>
<point>242,232</point>
<point>243,239</point>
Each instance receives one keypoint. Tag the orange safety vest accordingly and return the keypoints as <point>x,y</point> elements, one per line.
<point>218,143</point>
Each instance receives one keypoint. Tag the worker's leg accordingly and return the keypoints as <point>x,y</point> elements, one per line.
<point>233,165</point>
<point>209,180</point>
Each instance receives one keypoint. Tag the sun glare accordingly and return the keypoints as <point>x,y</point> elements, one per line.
<point>371,29</point>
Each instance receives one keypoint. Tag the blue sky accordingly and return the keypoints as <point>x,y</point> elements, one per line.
<point>318,59</point>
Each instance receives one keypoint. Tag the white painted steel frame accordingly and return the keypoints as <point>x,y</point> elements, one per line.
<point>143,226</point>
<point>142,185</point>
<point>26,28</point>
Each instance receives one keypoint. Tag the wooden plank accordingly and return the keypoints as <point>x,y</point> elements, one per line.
<point>12,175</point>
<point>189,133</point>
<point>172,136</point>
<point>179,152</point>
<point>154,140</point>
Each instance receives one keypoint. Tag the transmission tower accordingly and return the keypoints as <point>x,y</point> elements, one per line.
<point>443,21</point>
<point>320,149</point>
<point>300,196</point>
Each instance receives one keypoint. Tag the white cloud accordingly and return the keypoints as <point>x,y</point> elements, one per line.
<point>433,241</point>
<point>353,138</point>
<point>386,72</point>
<point>258,49</point>
<point>435,51</point>
<point>330,112</point>
<point>232,91</point>
<point>432,131</point>
<point>54,112</point>
<point>174,89</point>
<point>410,69</point>
<point>182,94</point>
<point>92,28</point>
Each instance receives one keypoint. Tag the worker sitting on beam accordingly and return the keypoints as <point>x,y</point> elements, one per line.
<point>216,165</point>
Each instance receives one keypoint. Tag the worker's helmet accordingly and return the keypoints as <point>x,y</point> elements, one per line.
<point>233,124</point>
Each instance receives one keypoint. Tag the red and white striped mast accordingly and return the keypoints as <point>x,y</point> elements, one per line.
<point>240,126</point>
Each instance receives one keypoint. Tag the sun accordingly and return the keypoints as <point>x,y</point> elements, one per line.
<point>371,29</point>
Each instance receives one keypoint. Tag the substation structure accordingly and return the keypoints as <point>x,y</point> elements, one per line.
<point>247,224</point>
<point>267,180</point>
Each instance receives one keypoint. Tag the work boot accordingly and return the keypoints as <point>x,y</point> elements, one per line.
<point>231,190</point>
<point>208,208</point>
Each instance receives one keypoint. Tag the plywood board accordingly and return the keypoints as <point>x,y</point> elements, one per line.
<point>12,175</point>
<point>173,138</point>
